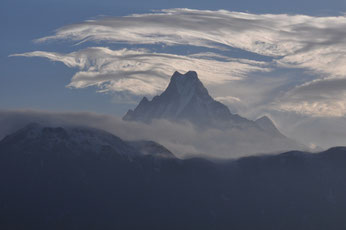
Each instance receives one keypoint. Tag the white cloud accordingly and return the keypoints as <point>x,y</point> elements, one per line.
<point>317,108</point>
<point>315,44</point>
<point>318,43</point>
<point>318,98</point>
<point>228,99</point>
<point>142,72</point>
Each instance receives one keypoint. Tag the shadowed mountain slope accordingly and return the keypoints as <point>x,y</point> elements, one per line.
<point>186,99</point>
<point>47,184</point>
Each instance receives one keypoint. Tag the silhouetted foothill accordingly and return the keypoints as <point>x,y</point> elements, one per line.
<point>90,179</point>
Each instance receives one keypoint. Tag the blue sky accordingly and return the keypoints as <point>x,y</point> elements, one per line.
<point>258,77</point>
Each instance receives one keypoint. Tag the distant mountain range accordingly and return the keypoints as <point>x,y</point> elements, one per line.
<point>82,178</point>
<point>186,99</point>
<point>77,140</point>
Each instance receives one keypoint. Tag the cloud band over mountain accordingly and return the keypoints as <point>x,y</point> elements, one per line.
<point>142,72</point>
<point>317,45</point>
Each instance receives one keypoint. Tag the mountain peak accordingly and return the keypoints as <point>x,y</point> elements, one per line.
<point>185,83</point>
<point>264,119</point>
<point>185,98</point>
<point>183,79</point>
<point>266,124</point>
<point>143,102</point>
<point>190,74</point>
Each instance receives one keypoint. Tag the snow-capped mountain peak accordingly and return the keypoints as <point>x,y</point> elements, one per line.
<point>185,98</point>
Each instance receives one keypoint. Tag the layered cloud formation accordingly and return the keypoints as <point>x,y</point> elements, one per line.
<point>142,72</point>
<point>317,45</point>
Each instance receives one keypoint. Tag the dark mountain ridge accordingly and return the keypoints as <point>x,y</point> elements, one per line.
<point>77,140</point>
<point>51,186</point>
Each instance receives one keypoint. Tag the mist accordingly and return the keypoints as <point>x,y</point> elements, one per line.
<point>183,139</point>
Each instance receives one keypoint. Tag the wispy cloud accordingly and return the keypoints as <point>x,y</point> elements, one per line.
<point>317,45</point>
<point>317,98</point>
<point>142,72</point>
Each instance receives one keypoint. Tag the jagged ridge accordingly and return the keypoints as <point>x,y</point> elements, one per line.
<point>185,98</point>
